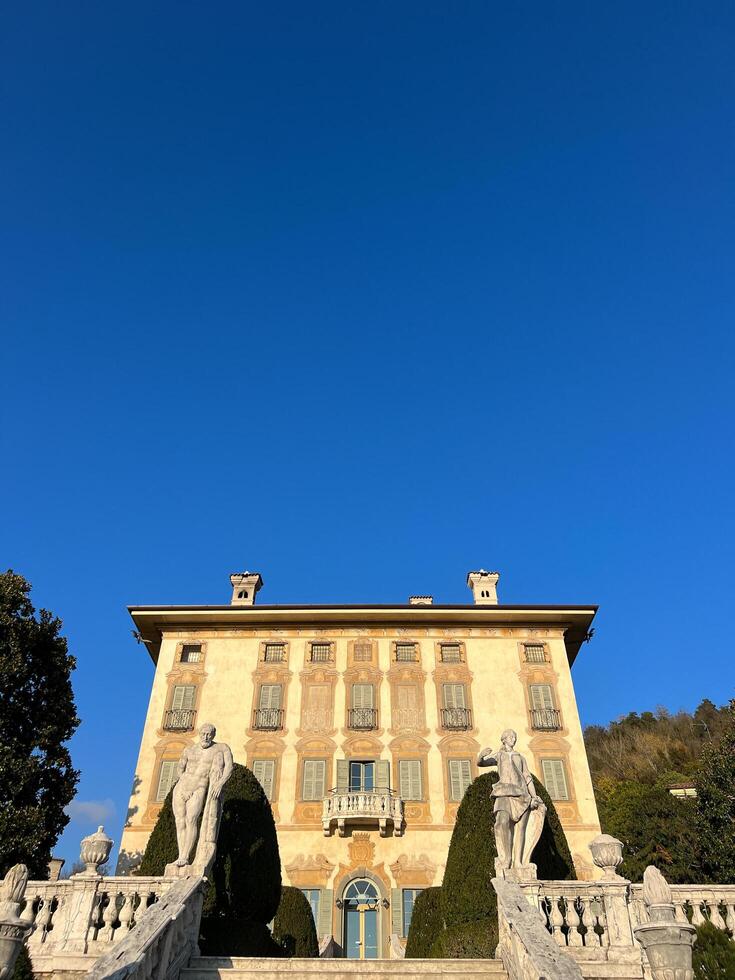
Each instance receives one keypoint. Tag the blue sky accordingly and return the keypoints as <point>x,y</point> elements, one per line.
<point>363,296</point>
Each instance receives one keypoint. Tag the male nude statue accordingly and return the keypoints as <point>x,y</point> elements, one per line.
<point>203,767</point>
<point>519,811</point>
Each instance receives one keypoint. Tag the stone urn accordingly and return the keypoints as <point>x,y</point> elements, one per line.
<point>94,851</point>
<point>607,853</point>
<point>13,929</point>
<point>668,943</point>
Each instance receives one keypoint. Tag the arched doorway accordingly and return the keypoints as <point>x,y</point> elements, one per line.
<point>361,916</point>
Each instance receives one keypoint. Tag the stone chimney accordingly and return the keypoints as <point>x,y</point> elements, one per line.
<point>244,587</point>
<point>420,600</point>
<point>484,587</point>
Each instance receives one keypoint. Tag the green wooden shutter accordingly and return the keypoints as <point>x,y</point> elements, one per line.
<point>326,901</point>
<point>363,696</point>
<point>184,697</point>
<point>314,779</point>
<point>409,773</point>
<point>541,696</point>
<point>382,774</point>
<point>555,778</point>
<point>343,775</point>
<point>460,777</point>
<point>396,912</point>
<point>166,778</point>
<point>264,771</point>
<point>453,695</point>
<point>270,696</point>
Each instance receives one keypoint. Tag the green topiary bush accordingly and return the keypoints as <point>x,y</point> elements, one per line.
<point>426,924</point>
<point>469,941</point>
<point>23,969</point>
<point>245,882</point>
<point>713,957</point>
<point>293,926</point>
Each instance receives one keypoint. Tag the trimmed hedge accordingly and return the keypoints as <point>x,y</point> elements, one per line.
<point>293,926</point>
<point>466,896</point>
<point>245,883</point>
<point>23,969</point>
<point>426,924</point>
<point>713,957</point>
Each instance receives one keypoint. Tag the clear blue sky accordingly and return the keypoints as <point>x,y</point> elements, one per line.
<point>364,295</point>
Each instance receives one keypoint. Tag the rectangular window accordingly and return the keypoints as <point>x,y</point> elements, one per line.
<point>534,653</point>
<point>460,777</point>
<point>275,653</point>
<point>409,775</point>
<point>407,712</point>
<point>270,696</point>
<point>314,779</point>
<point>362,777</point>
<point>453,696</point>
<point>555,778</point>
<point>363,652</point>
<point>191,653</point>
<point>264,771</point>
<point>406,652</point>
<point>362,695</point>
<point>409,897</point>
<point>166,778</point>
<point>183,697</point>
<point>450,653</point>
<point>312,896</point>
<point>541,696</point>
<point>321,652</point>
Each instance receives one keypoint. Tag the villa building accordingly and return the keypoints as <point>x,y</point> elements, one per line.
<point>363,724</point>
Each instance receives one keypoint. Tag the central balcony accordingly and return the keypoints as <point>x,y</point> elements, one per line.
<point>362,719</point>
<point>456,719</point>
<point>545,719</point>
<point>360,807</point>
<point>179,720</point>
<point>268,719</point>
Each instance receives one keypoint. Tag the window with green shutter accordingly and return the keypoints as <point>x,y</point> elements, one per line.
<point>363,695</point>
<point>270,696</point>
<point>409,777</point>
<point>460,777</point>
<point>184,696</point>
<point>453,696</point>
<point>166,778</point>
<point>541,696</point>
<point>264,771</point>
<point>314,779</point>
<point>555,778</point>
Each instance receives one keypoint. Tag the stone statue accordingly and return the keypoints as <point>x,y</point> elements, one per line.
<point>13,929</point>
<point>203,771</point>
<point>519,811</point>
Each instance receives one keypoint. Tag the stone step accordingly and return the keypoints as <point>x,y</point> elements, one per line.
<point>262,968</point>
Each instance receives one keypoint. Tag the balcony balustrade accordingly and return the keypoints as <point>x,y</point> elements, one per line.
<point>362,719</point>
<point>456,719</point>
<point>179,720</point>
<point>268,719</point>
<point>545,719</point>
<point>359,807</point>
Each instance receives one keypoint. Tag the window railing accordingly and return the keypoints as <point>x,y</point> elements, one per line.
<point>268,719</point>
<point>321,653</point>
<point>545,719</point>
<point>406,653</point>
<point>362,719</point>
<point>457,719</point>
<point>179,719</point>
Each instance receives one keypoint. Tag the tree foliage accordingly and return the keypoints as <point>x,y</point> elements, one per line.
<point>713,957</point>
<point>426,924</point>
<point>715,822</point>
<point>293,927</point>
<point>245,883</point>
<point>37,718</point>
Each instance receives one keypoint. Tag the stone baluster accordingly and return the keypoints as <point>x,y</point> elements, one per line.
<point>557,920</point>
<point>574,936</point>
<point>698,917</point>
<point>29,912</point>
<point>125,916</point>
<point>730,917</point>
<point>680,914</point>
<point>43,917</point>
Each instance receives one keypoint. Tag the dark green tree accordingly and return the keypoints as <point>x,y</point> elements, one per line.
<point>23,969</point>
<point>715,808</point>
<point>713,957</point>
<point>426,924</point>
<point>245,883</point>
<point>37,719</point>
<point>293,926</point>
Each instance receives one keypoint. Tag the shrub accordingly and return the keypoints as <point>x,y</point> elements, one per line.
<point>470,941</point>
<point>426,924</point>
<point>245,882</point>
<point>714,954</point>
<point>23,969</point>
<point>293,926</point>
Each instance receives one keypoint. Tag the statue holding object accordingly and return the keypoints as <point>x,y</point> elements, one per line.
<point>203,771</point>
<point>519,811</point>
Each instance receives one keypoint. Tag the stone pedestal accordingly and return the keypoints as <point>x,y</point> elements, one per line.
<point>668,945</point>
<point>518,875</point>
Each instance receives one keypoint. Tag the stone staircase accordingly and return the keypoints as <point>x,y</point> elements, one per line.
<point>257,968</point>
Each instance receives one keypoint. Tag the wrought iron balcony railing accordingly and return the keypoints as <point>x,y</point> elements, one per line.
<point>268,719</point>
<point>456,719</point>
<point>545,719</point>
<point>362,719</point>
<point>179,719</point>
<point>381,806</point>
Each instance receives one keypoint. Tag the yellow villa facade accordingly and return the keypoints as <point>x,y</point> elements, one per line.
<point>363,724</point>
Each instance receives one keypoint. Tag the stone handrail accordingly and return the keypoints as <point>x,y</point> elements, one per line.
<point>592,915</point>
<point>345,806</point>
<point>165,939</point>
<point>83,915</point>
<point>527,950</point>
<point>692,903</point>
